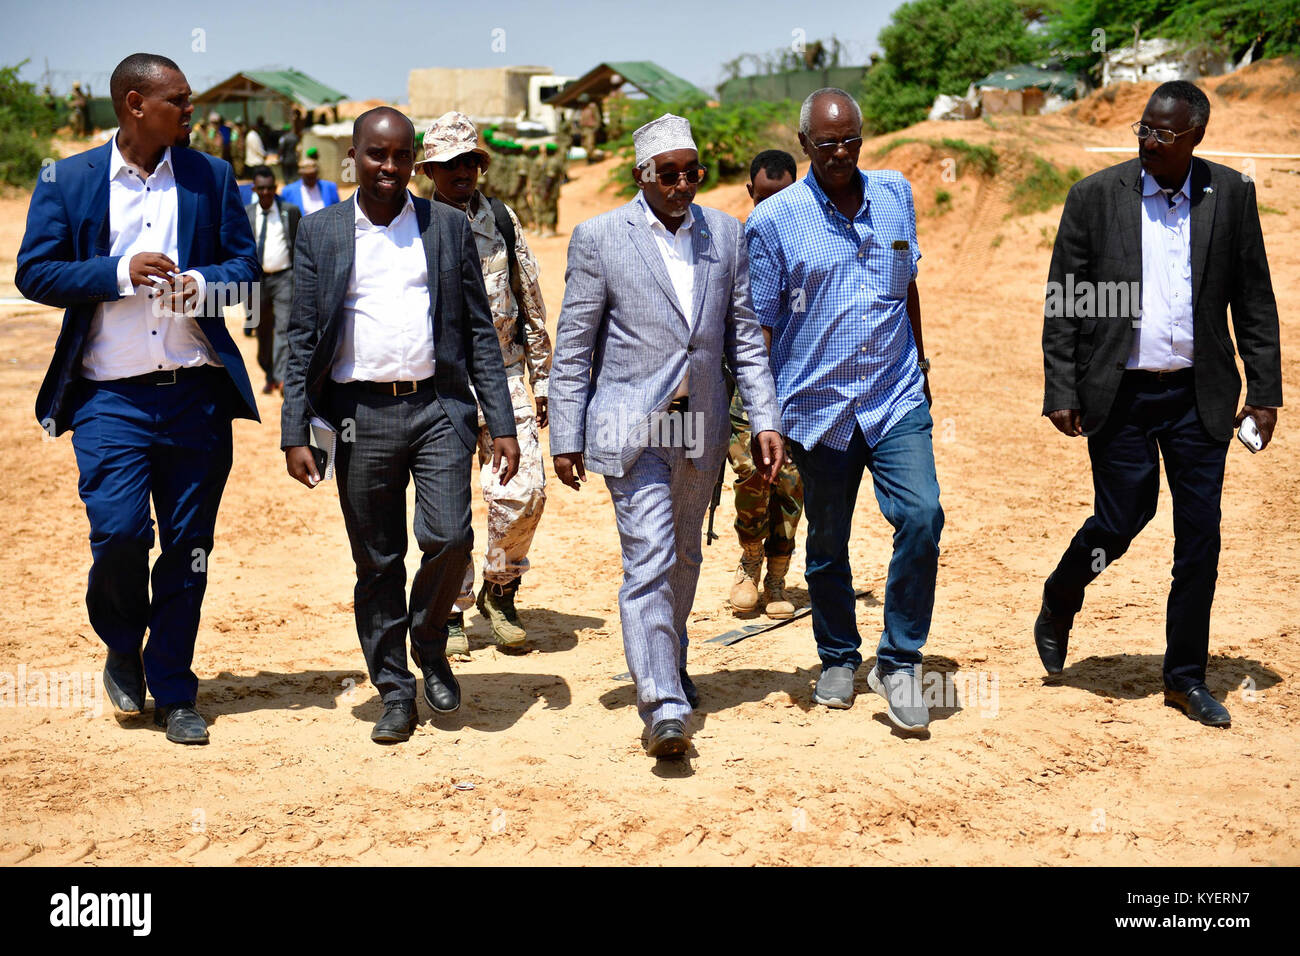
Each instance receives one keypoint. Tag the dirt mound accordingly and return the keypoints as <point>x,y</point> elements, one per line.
<point>1114,107</point>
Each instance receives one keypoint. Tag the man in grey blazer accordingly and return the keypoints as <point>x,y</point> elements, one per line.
<point>390,324</point>
<point>1149,257</point>
<point>656,293</point>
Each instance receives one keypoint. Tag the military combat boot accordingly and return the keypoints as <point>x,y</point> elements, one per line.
<point>777,604</point>
<point>496,602</point>
<point>457,642</point>
<point>744,592</point>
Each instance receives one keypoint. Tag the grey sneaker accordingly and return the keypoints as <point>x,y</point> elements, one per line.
<point>904,702</point>
<point>835,687</point>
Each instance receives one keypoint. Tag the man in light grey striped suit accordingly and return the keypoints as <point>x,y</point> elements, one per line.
<point>656,293</point>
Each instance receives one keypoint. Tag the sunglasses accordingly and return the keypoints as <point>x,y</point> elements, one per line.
<point>693,176</point>
<point>456,162</point>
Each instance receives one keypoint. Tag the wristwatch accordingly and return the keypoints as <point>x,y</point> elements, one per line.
<point>923,365</point>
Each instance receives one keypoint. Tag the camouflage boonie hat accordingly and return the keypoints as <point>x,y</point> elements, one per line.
<point>450,135</point>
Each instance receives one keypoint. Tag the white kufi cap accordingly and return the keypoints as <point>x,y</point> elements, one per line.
<point>662,135</point>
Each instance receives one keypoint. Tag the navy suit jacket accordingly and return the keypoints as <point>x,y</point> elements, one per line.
<point>64,261</point>
<point>329,192</point>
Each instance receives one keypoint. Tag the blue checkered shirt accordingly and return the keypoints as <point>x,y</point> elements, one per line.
<point>834,294</point>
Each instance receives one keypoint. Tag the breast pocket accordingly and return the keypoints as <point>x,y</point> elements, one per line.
<point>898,274</point>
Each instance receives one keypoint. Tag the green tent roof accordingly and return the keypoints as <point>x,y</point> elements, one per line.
<point>650,78</point>
<point>656,82</point>
<point>1023,75</point>
<point>291,84</point>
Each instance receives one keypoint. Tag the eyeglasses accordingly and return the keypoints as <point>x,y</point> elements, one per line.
<point>831,147</point>
<point>693,176</point>
<point>1163,136</point>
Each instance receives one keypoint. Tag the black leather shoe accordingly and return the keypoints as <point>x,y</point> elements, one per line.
<point>397,724</point>
<point>688,689</point>
<point>441,689</point>
<point>183,723</point>
<point>1199,704</point>
<point>124,682</point>
<point>1052,635</point>
<point>667,739</point>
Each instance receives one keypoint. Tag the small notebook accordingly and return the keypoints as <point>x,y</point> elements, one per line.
<point>324,437</point>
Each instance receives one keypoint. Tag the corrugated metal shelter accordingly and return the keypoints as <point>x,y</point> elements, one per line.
<point>648,77</point>
<point>268,93</point>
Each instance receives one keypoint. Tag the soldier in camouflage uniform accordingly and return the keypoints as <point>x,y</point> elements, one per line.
<point>766,515</point>
<point>453,158</point>
<point>548,174</point>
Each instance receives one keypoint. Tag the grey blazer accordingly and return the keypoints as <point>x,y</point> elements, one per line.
<point>623,343</point>
<point>1100,241</point>
<point>465,340</point>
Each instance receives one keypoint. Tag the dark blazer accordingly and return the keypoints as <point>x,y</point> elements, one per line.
<point>465,340</point>
<point>64,260</point>
<point>1100,241</point>
<point>290,216</point>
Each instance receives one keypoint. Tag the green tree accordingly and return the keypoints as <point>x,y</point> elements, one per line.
<point>942,46</point>
<point>728,136</point>
<point>26,125</point>
<point>1229,27</point>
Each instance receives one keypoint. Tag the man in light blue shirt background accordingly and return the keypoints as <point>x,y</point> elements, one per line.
<point>832,276</point>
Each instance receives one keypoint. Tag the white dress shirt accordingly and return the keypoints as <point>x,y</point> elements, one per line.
<point>1163,339</point>
<point>137,333</point>
<point>679,259</point>
<point>254,149</point>
<point>387,333</point>
<point>311,198</point>
<point>275,251</point>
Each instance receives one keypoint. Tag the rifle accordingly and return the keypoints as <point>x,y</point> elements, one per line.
<point>710,536</point>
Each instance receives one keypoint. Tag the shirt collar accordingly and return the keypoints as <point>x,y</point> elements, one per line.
<point>653,220</point>
<point>117,162</point>
<point>1152,188</point>
<point>824,201</point>
<point>364,221</point>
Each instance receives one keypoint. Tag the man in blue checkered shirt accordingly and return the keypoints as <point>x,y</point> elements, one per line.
<point>832,275</point>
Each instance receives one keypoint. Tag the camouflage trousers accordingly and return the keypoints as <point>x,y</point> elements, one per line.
<point>513,509</point>
<point>764,513</point>
<point>545,206</point>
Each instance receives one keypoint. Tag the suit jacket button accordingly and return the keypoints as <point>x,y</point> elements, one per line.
<point>690,349</point>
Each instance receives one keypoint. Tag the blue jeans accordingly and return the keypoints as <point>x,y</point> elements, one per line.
<point>902,470</point>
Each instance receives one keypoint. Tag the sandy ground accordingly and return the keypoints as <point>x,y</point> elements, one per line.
<point>1094,770</point>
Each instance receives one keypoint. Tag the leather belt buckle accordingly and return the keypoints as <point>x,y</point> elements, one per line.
<point>163,379</point>
<point>399,389</point>
<point>682,404</point>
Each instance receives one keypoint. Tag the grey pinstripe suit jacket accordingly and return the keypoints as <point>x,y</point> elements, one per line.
<point>623,343</point>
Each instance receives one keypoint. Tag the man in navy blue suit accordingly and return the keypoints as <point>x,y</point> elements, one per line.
<point>142,240</point>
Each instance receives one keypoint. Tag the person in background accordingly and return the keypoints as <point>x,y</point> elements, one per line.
<point>767,513</point>
<point>275,224</point>
<point>254,147</point>
<point>288,150</point>
<point>309,192</point>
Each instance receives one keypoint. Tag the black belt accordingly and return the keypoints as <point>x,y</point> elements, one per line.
<point>1179,376</point>
<point>682,404</point>
<point>395,389</point>
<point>167,377</point>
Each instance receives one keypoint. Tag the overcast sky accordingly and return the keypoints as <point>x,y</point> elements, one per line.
<point>366,49</point>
